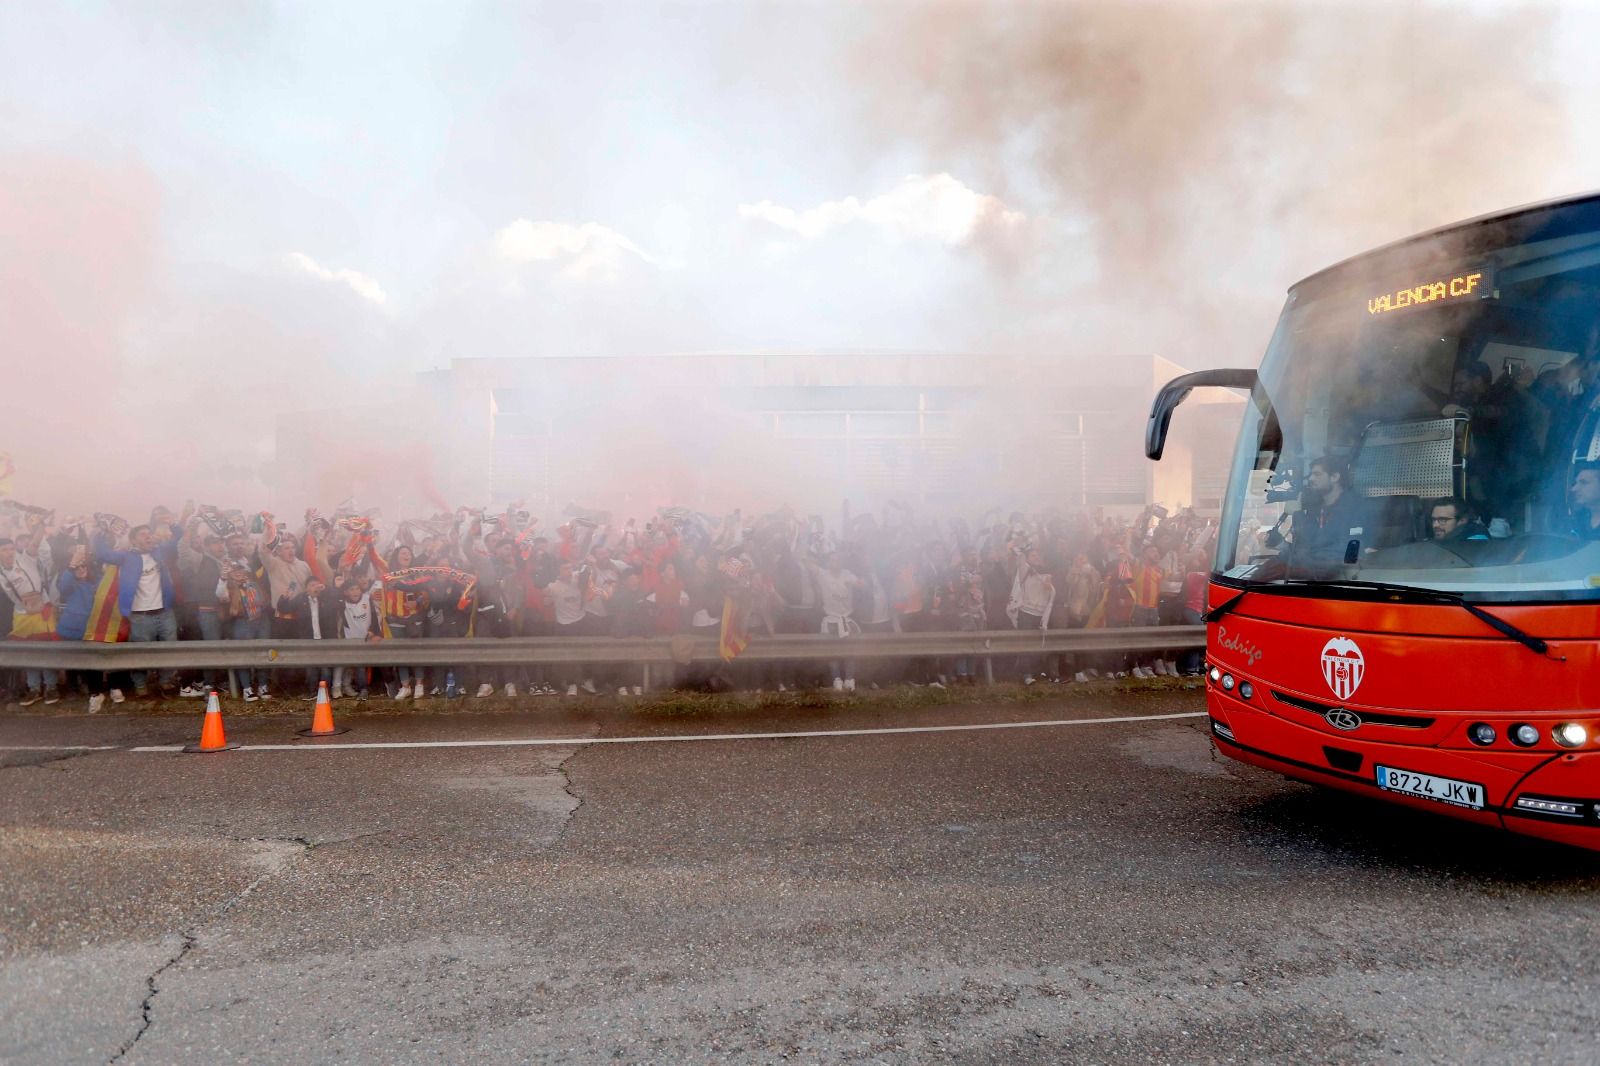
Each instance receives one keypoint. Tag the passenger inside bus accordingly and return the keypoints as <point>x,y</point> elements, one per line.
<point>1451,519</point>
<point>1586,502</point>
<point>1328,528</point>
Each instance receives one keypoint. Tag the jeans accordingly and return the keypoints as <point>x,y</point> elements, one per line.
<point>210,624</point>
<point>406,629</point>
<point>251,629</point>
<point>840,627</point>
<point>1030,665</point>
<point>1192,661</point>
<point>145,626</point>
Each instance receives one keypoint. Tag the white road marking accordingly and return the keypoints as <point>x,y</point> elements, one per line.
<point>567,742</point>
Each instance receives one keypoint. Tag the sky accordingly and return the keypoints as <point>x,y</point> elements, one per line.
<point>213,213</point>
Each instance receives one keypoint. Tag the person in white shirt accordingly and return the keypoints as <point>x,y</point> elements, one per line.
<point>836,588</point>
<point>565,594</point>
<point>23,582</point>
<point>358,620</point>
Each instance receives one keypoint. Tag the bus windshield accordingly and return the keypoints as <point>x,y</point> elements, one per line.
<point>1430,417</point>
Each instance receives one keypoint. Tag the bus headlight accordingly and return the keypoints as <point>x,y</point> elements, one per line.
<point>1481,733</point>
<point>1569,735</point>
<point>1524,735</point>
<point>1227,682</point>
<point>1246,689</point>
<point>1216,675</point>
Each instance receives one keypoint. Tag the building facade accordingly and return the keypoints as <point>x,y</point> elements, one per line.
<point>806,429</point>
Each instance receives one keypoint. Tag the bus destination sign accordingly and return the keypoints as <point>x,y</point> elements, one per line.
<point>1475,284</point>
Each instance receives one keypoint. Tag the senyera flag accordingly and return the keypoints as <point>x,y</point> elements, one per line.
<point>735,634</point>
<point>106,624</point>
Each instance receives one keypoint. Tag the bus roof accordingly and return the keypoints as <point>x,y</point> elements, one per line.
<point>1493,216</point>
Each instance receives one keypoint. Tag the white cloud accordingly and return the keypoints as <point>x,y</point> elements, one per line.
<point>359,283</point>
<point>937,207</point>
<point>587,251</point>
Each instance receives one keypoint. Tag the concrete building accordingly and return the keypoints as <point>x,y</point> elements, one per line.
<point>808,429</point>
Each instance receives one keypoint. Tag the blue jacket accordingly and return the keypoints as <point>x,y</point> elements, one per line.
<point>130,565</point>
<point>77,601</point>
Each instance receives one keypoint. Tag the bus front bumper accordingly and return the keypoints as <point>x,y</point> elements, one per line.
<point>1551,795</point>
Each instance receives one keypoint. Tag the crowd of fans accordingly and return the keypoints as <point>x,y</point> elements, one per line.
<point>209,574</point>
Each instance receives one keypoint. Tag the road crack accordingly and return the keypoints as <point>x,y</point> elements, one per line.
<point>153,989</point>
<point>560,769</point>
<point>191,935</point>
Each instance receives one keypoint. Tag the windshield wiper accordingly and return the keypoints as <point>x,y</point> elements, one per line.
<point>1223,608</point>
<point>1421,595</point>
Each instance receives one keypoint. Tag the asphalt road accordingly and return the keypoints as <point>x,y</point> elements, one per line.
<point>1108,891</point>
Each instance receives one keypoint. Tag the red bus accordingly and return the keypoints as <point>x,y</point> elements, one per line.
<point>1405,599</point>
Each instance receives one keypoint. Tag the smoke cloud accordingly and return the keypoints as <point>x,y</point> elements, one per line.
<point>1198,157</point>
<point>1070,186</point>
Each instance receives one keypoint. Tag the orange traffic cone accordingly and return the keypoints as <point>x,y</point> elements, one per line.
<point>322,719</point>
<point>212,737</point>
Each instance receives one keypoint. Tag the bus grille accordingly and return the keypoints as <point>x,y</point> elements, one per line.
<point>1398,721</point>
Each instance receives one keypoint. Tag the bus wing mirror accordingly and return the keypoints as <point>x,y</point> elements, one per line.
<point>1176,391</point>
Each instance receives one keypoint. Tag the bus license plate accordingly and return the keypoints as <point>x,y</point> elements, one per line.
<point>1427,786</point>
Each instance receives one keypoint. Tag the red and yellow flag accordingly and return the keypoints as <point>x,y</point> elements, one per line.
<point>1097,617</point>
<point>106,624</point>
<point>735,636</point>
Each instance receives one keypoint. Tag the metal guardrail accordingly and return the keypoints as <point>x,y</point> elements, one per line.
<point>641,651</point>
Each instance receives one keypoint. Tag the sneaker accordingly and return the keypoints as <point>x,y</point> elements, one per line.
<point>264,694</point>
<point>622,690</point>
<point>403,692</point>
<point>1081,678</point>
<point>117,696</point>
<point>1161,668</point>
<point>485,689</point>
<point>1120,674</point>
<point>572,690</point>
<point>95,703</point>
<point>417,693</point>
<point>936,684</point>
<point>638,690</point>
<point>309,697</point>
<point>838,684</point>
<point>361,695</point>
<point>189,692</point>
<point>51,695</point>
<point>782,687</point>
<point>434,691</point>
<point>249,695</point>
<point>30,698</point>
<point>350,689</point>
<point>1028,680</point>
<point>511,691</point>
<point>849,684</point>
<point>588,686</point>
<point>1094,675</point>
